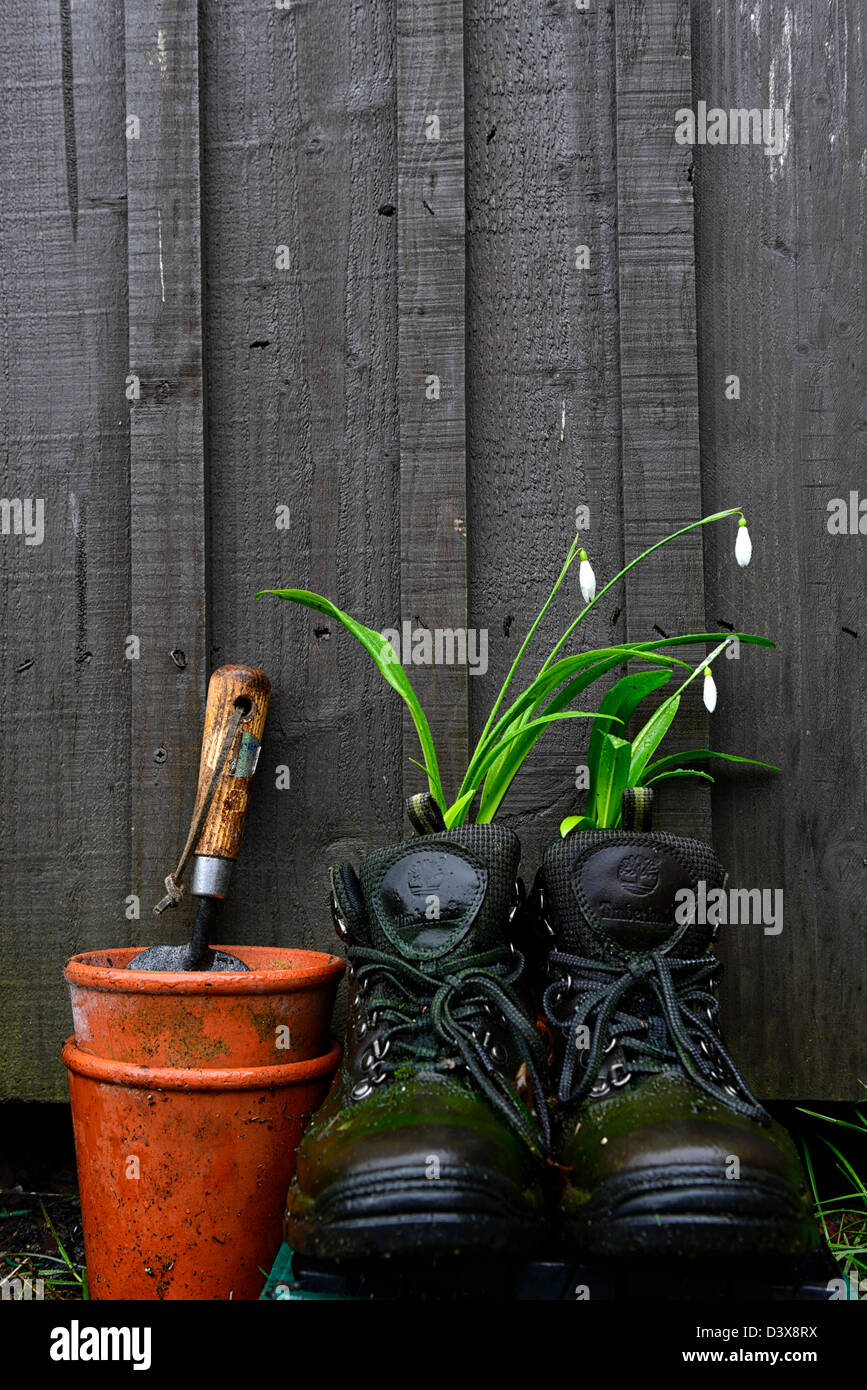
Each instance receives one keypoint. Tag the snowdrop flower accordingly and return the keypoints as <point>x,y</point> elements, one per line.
<point>743,544</point>
<point>709,692</point>
<point>586,578</point>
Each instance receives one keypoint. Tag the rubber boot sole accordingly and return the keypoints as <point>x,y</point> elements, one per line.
<point>400,1213</point>
<point>690,1212</point>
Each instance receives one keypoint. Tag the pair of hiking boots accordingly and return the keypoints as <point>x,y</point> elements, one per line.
<point>543,1073</point>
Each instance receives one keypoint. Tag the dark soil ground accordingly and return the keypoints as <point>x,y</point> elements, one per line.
<point>38,1190</point>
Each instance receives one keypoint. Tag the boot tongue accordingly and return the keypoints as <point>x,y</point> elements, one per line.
<point>618,894</point>
<point>441,895</point>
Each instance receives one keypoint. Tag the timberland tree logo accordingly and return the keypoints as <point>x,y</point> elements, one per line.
<point>739,126</point>
<point>639,873</point>
<point>439,646</point>
<point>425,878</point>
<point>23,516</point>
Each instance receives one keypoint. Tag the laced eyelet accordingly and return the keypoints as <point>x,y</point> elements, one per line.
<point>618,1075</point>
<point>611,1046</point>
<point>600,1089</point>
<point>361,1089</point>
<point>381,1049</point>
<point>498,1054</point>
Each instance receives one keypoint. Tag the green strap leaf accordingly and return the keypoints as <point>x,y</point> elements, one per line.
<point>648,739</point>
<point>682,772</point>
<point>613,776</point>
<point>494,753</point>
<point>389,666</point>
<point>546,683</point>
<point>694,755</point>
<point>576,823</point>
<point>622,700</point>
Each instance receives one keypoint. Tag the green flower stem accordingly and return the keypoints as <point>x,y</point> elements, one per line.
<point>716,516</point>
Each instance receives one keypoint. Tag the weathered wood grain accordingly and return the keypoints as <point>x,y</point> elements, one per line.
<point>167,484</point>
<point>658,371</point>
<point>581,389</point>
<point>64,731</point>
<point>431,237</point>
<point>543,401</point>
<point>780,247</point>
<point>299,153</point>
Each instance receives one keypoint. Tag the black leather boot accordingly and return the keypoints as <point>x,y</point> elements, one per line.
<point>427,1142</point>
<point>665,1150</point>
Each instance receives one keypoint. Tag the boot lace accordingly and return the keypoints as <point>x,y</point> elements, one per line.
<point>434,1015</point>
<point>682,1028</point>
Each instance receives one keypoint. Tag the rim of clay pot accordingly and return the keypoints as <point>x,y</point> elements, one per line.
<point>114,1073</point>
<point>308,970</point>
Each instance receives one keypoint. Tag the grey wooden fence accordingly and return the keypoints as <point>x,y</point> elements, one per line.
<point>293,292</point>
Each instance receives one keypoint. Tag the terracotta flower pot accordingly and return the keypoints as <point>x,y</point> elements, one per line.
<point>189,1096</point>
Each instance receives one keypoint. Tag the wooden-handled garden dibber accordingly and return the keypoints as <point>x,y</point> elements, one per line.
<point>234,721</point>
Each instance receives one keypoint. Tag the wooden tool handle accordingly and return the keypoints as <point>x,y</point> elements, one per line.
<point>231,689</point>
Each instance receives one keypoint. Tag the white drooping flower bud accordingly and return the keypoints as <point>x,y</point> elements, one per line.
<point>586,578</point>
<point>743,544</point>
<point>709,692</point>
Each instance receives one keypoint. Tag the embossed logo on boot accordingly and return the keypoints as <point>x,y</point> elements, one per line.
<point>428,900</point>
<point>639,873</point>
<point>630,891</point>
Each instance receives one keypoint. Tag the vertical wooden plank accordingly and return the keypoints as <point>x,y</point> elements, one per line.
<point>166,437</point>
<point>431,238</point>
<point>64,735</point>
<point>658,370</point>
<point>781,255</point>
<point>543,397</point>
<point>302,429</point>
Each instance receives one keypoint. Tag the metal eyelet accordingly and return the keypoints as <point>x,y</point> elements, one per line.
<point>618,1074</point>
<point>613,1043</point>
<point>731,1091</point>
<point>600,1089</point>
<point>541,914</point>
<point>704,1047</point>
<point>381,1049</point>
<point>519,897</point>
<point>360,1090</point>
<point>341,926</point>
<point>498,1054</point>
<point>363,1028</point>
